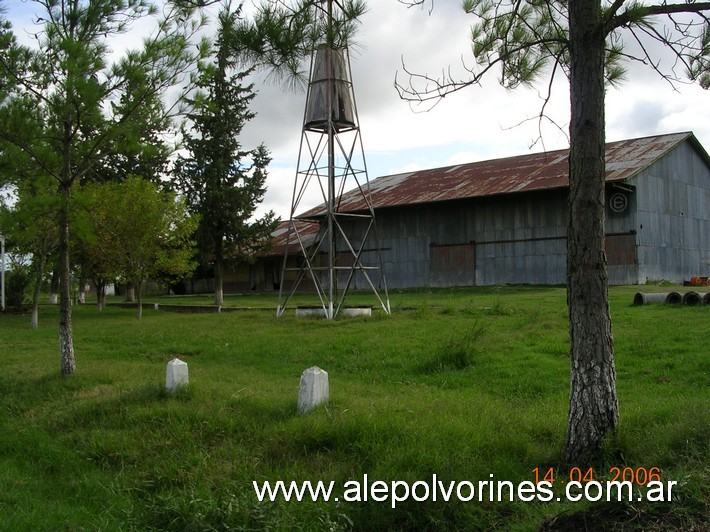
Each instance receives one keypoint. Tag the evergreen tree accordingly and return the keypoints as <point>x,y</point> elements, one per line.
<point>223,182</point>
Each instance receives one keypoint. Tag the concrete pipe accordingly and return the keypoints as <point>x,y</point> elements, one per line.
<point>644,299</point>
<point>693,298</point>
<point>672,298</point>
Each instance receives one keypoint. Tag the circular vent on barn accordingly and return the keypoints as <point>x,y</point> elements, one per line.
<point>619,202</point>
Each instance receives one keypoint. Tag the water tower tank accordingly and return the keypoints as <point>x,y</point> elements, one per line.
<point>330,68</point>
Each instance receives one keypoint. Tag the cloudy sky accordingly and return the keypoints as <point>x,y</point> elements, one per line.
<point>478,123</point>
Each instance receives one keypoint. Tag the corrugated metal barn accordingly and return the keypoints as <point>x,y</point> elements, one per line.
<point>504,221</point>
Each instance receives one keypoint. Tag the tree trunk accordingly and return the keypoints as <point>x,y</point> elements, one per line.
<point>53,288</point>
<point>593,412</point>
<point>66,342</point>
<point>139,295</point>
<point>102,295</point>
<point>218,272</point>
<point>81,296</point>
<point>100,285</point>
<point>39,271</point>
<point>130,293</point>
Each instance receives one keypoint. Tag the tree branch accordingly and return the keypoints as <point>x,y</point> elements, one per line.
<point>613,9</point>
<point>29,150</point>
<point>639,12</point>
<point>447,86</point>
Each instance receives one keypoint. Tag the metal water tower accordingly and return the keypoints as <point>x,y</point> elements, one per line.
<point>338,247</point>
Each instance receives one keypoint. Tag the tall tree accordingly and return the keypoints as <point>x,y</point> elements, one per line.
<point>586,40</point>
<point>223,182</point>
<point>61,109</point>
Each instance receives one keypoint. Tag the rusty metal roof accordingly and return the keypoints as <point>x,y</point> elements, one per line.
<point>285,235</point>
<point>523,173</point>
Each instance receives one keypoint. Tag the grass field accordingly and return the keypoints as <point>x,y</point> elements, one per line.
<point>461,383</point>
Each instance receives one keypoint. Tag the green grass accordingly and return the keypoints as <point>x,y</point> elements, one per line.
<point>461,383</point>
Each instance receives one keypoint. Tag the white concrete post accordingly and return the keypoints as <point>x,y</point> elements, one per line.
<point>176,375</point>
<point>313,390</point>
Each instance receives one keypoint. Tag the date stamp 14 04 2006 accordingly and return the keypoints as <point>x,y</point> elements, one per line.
<point>617,483</point>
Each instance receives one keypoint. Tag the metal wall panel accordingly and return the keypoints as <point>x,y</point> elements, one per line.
<point>520,238</point>
<point>673,217</point>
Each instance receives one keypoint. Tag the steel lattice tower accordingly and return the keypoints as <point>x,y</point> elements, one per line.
<point>331,159</point>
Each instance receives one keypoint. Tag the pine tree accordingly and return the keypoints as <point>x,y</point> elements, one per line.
<point>223,182</point>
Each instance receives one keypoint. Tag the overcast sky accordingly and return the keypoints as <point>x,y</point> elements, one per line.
<point>475,124</point>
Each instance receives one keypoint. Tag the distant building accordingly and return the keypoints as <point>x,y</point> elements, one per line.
<point>504,221</point>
